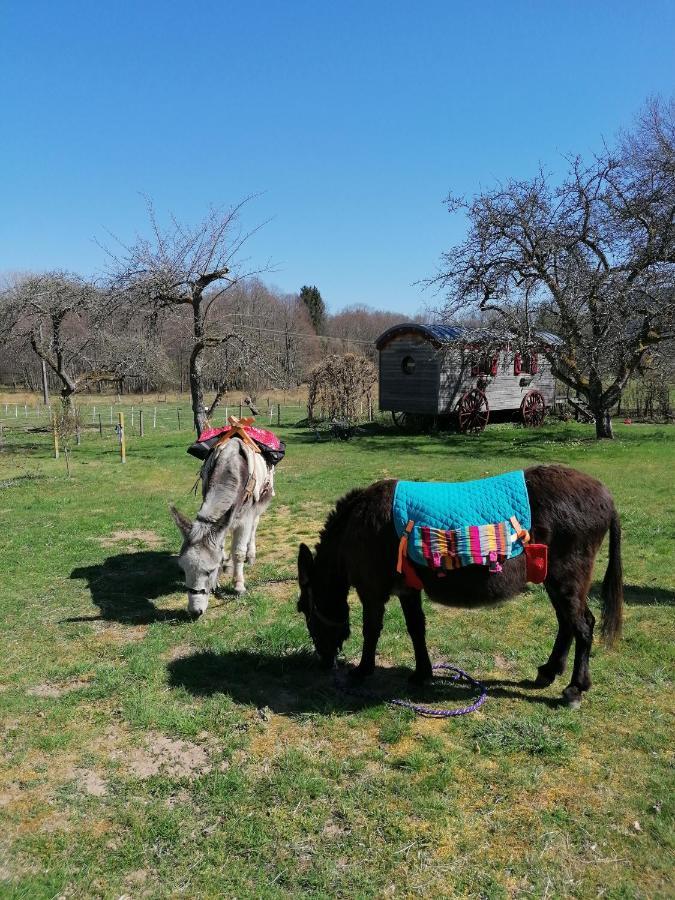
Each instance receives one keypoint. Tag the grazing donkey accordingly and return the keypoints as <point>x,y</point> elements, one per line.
<point>358,547</point>
<point>237,487</point>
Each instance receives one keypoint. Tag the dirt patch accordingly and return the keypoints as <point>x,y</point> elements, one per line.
<point>113,633</point>
<point>52,689</point>
<point>178,652</point>
<point>91,782</point>
<point>149,539</point>
<point>165,756</point>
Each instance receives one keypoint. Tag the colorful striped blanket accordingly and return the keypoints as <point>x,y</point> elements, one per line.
<point>446,525</point>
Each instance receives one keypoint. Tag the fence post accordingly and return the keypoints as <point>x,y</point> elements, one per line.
<point>100,425</point>
<point>111,415</point>
<point>132,417</point>
<point>178,412</point>
<point>140,422</point>
<point>240,410</point>
<point>278,413</point>
<point>123,445</point>
<point>16,411</point>
<point>56,437</point>
<point>370,409</point>
<point>154,418</point>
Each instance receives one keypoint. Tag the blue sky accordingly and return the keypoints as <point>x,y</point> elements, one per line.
<point>352,120</point>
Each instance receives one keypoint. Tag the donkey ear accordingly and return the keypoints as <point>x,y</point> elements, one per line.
<point>184,524</point>
<point>305,565</point>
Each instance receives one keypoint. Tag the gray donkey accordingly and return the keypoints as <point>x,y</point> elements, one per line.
<point>237,487</point>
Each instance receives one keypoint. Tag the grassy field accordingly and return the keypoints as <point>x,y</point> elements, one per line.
<point>144,755</point>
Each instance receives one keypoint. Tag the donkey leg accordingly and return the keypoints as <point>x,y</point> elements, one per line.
<point>251,548</point>
<point>226,565</point>
<point>557,661</point>
<point>583,640</point>
<point>240,537</point>
<point>411,603</point>
<point>373,615</point>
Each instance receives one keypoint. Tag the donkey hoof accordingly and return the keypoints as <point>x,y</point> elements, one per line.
<point>572,696</point>
<point>418,678</point>
<point>359,673</point>
<point>239,590</point>
<point>542,680</point>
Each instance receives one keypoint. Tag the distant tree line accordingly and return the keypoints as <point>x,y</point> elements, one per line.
<point>179,310</point>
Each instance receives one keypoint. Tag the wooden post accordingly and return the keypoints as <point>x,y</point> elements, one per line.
<point>370,409</point>
<point>100,425</point>
<point>240,410</point>
<point>178,412</point>
<point>140,422</point>
<point>132,417</point>
<point>120,432</point>
<point>278,413</point>
<point>56,437</point>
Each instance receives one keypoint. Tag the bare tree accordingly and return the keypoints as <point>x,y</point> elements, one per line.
<point>180,266</point>
<point>591,258</point>
<point>65,319</point>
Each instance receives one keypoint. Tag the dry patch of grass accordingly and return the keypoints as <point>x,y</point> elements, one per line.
<point>133,537</point>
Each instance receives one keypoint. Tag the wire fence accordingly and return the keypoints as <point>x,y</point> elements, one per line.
<point>139,418</point>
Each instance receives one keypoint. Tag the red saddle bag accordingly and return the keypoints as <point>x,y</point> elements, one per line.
<point>536,562</point>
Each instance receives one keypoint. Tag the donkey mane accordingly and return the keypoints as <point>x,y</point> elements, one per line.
<point>337,517</point>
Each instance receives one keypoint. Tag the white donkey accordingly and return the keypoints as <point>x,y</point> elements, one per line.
<point>237,487</point>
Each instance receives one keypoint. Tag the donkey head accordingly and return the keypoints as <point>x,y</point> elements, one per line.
<point>200,557</point>
<point>325,608</point>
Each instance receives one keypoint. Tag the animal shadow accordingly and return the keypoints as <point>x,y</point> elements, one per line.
<point>293,683</point>
<point>123,587</point>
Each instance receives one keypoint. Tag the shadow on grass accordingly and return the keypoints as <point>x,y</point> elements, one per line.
<point>124,586</point>
<point>294,683</point>
<point>639,595</point>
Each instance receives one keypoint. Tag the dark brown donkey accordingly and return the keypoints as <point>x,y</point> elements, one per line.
<point>571,512</point>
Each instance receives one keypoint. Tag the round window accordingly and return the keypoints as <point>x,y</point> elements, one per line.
<point>408,365</point>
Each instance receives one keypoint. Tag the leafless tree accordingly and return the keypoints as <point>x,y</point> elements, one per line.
<point>181,266</point>
<point>66,321</point>
<point>591,258</point>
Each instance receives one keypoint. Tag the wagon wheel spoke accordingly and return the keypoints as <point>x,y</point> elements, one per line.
<point>533,409</point>
<point>473,411</point>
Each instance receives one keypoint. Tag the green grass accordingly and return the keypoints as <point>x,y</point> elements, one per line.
<point>144,755</point>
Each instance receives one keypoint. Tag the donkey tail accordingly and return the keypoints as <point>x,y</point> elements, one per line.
<point>612,586</point>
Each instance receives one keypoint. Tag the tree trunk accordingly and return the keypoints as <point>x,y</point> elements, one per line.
<point>603,424</point>
<point>196,362</point>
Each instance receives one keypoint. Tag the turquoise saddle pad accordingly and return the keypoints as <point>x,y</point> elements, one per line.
<point>452,505</point>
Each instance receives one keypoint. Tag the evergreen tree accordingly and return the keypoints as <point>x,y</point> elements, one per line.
<point>313,302</point>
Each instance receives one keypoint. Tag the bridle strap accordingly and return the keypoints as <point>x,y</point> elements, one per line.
<point>331,623</point>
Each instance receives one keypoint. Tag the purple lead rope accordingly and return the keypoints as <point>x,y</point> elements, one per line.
<point>429,711</point>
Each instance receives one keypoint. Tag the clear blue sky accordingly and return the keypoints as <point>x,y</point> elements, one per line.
<point>355,120</point>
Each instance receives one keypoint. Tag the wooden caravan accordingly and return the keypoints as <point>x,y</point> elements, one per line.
<point>445,372</point>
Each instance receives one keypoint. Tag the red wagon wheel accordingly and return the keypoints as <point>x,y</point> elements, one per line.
<point>473,411</point>
<point>533,409</point>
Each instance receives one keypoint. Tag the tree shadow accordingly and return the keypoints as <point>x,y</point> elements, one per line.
<point>294,683</point>
<point>124,586</point>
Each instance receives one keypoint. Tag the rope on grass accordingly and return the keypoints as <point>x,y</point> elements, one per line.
<point>431,712</point>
